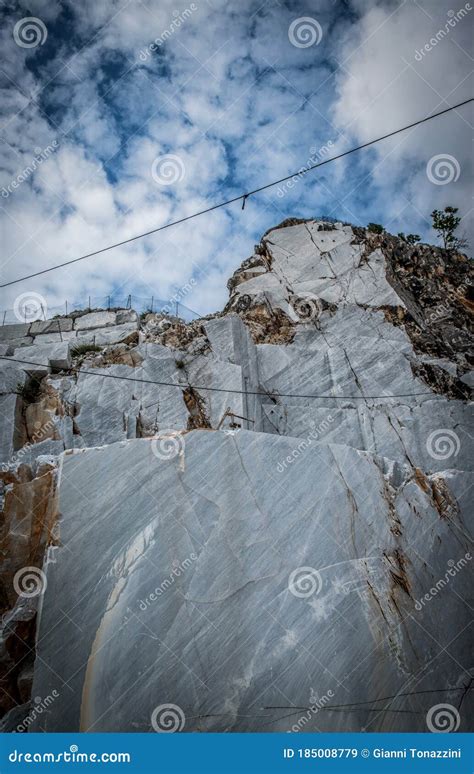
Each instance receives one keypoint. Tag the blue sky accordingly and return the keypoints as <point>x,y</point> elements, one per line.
<point>234,94</point>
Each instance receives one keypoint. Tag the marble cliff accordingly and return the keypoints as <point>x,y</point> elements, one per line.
<point>258,521</point>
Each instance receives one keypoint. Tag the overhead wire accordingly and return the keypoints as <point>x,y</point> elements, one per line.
<point>242,196</point>
<point>183,385</point>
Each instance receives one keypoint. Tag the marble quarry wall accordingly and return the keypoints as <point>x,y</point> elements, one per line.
<point>257,521</point>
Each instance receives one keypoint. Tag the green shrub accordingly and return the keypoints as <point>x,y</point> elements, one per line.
<point>375,228</point>
<point>411,239</point>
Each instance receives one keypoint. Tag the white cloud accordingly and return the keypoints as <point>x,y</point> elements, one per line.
<point>240,106</point>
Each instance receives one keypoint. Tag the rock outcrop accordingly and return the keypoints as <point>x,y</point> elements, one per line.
<point>259,518</point>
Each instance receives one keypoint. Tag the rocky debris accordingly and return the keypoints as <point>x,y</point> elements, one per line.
<point>267,325</point>
<point>346,348</point>
<point>119,354</point>
<point>197,409</point>
<point>176,334</point>
<point>437,288</point>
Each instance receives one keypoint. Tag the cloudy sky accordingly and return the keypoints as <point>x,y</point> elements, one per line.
<point>143,111</point>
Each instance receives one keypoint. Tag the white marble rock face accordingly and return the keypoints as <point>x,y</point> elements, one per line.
<point>309,570</point>
<point>182,594</point>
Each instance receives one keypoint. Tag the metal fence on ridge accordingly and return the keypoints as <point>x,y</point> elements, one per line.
<point>131,301</point>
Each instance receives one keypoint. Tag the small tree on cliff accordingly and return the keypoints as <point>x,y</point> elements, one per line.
<point>445,224</point>
<point>411,239</point>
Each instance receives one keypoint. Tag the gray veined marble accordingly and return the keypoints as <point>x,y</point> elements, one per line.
<point>231,639</point>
